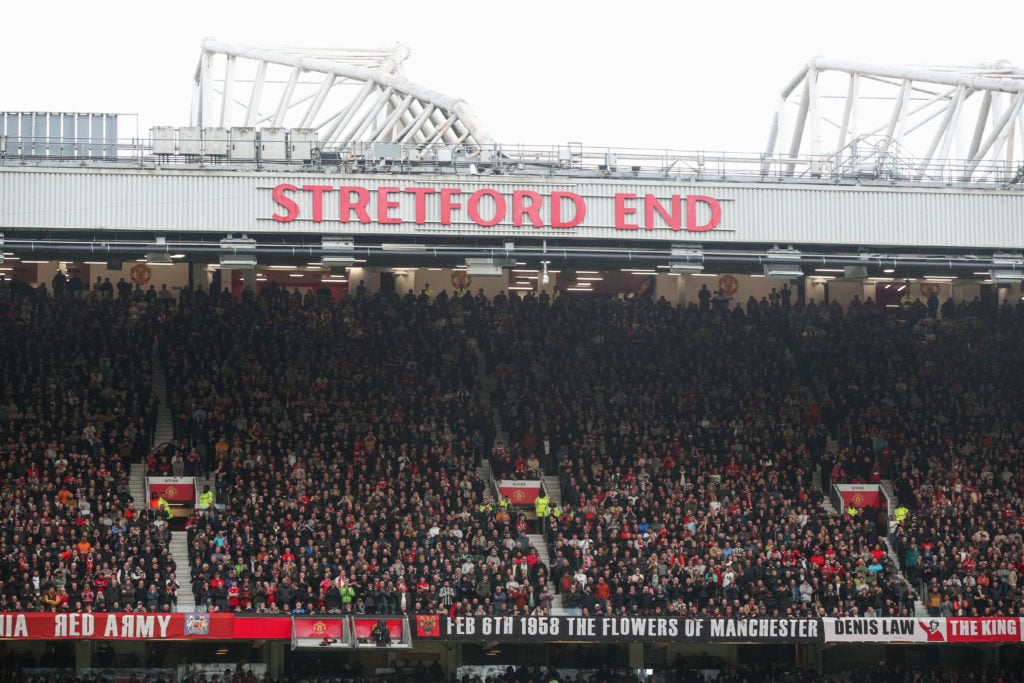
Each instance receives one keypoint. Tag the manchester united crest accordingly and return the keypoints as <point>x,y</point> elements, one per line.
<point>461,279</point>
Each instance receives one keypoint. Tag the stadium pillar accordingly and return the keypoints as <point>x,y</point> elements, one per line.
<point>198,278</point>
<point>249,280</point>
<point>1010,293</point>
<point>672,287</point>
<point>808,658</point>
<point>83,655</point>
<point>452,657</point>
<point>636,656</point>
<point>275,656</point>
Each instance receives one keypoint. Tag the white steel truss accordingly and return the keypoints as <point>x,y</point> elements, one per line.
<point>347,96</point>
<point>901,122</point>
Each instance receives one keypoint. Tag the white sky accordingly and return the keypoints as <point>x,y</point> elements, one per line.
<point>670,74</point>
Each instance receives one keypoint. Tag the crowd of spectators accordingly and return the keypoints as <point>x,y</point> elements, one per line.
<point>933,406</point>
<point>686,449</point>
<point>344,439</point>
<point>76,409</point>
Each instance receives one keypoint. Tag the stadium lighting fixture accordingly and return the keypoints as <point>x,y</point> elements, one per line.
<point>1007,275</point>
<point>239,262</point>
<point>159,258</point>
<point>783,271</point>
<point>686,268</point>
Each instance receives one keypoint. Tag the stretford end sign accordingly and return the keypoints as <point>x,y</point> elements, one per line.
<point>486,207</point>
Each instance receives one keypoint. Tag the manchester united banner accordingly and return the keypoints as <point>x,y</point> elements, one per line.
<point>173,489</point>
<point>393,631</point>
<point>115,626</point>
<point>636,629</point>
<point>861,495</point>
<point>308,632</point>
<point>520,491</point>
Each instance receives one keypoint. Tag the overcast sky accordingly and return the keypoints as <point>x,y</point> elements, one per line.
<point>637,73</point>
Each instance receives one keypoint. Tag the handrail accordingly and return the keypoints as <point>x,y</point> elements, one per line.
<point>867,161</point>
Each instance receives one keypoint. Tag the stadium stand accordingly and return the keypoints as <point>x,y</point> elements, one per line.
<point>345,439</point>
<point>926,403</point>
<point>77,409</point>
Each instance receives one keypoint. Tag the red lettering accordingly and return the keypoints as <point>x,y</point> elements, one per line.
<point>385,204</point>
<point>447,204</point>
<point>652,206</point>
<point>286,202</point>
<point>359,206</point>
<point>691,213</point>
<point>421,202</point>
<point>474,207</point>
<point>318,200</point>
<point>621,211</point>
<point>531,210</point>
<point>556,209</point>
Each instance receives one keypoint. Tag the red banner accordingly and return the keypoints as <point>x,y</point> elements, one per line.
<point>116,626</point>
<point>319,628</point>
<point>519,492</point>
<point>253,627</point>
<point>314,630</point>
<point>860,495</point>
<point>983,630</point>
<point>428,626</point>
<point>363,628</point>
<point>180,490</point>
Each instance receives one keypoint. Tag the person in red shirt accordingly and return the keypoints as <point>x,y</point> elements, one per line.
<point>877,553</point>
<point>520,465</point>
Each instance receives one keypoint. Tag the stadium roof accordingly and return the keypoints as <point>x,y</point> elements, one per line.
<point>345,95</point>
<point>910,122</point>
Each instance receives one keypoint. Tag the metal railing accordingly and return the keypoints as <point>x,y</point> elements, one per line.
<point>869,161</point>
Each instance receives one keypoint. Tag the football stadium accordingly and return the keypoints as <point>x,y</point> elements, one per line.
<point>327,383</point>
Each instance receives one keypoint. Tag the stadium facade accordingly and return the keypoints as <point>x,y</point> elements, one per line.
<point>341,171</point>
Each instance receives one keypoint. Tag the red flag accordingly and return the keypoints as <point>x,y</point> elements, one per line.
<point>428,626</point>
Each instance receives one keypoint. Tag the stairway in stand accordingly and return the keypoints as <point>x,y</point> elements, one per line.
<point>553,488</point>
<point>557,606</point>
<point>164,430</point>
<point>179,549</point>
<point>487,386</point>
<point>484,472</point>
<point>163,433</point>
<point>137,484</point>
